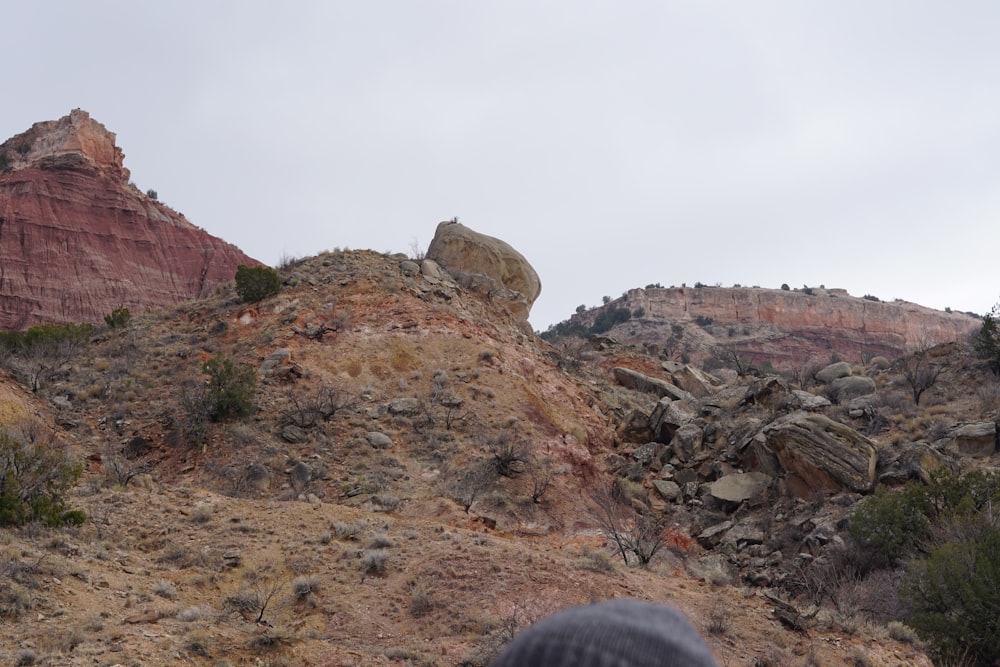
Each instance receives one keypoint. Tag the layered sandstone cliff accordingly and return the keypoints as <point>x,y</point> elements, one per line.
<point>78,240</point>
<point>786,327</point>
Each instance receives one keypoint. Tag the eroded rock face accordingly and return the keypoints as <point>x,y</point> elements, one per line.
<point>786,327</point>
<point>463,251</point>
<point>819,453</point>
<point>77,240</point>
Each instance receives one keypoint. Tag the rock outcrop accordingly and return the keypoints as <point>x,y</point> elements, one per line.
<point>78,240</point>
<point>788,328</point>
<point>461,250</point>
<point>818,453</point>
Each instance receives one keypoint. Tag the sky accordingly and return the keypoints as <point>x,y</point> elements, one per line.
<point>615,144</point>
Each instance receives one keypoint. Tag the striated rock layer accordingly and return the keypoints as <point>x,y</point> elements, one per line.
<point>786,327</point>
<point>78,240</point>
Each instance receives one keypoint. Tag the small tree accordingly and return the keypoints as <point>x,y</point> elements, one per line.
<point>254,283</point>
<point>954,594</point>
<point>118,318</point>
<point>230,388</point>
<point>35,476</point>
<point>920,373</point>
<point>987,341</point>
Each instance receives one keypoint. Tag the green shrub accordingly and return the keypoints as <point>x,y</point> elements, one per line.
<point>253,283</point>
<point>954,594</point>
<point>118,318</point>
<point>34,478</point>
<point>987,341</point>
<point>230,388</point>
<point>893,523</point>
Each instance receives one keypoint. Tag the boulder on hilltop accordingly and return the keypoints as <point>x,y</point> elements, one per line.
<point>461,250</point>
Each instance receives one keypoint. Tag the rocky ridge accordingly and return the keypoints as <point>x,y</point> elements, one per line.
<point>787,328</point>
<point>399,383</point>
<point>78,240</point>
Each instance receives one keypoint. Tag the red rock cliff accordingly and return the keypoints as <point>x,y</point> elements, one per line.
<point>77,240</point>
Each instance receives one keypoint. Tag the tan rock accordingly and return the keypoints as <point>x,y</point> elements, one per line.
<point>819,453</point>
<point>460,249</point>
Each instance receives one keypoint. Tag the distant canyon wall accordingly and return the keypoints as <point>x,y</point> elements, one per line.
<point>791,327</point>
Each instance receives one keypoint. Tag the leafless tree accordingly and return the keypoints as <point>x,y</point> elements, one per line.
<point>510,455</point>
<point>637,534</point>
<point>323,403</point>
<point>543,475</point>
<point>920,373</point>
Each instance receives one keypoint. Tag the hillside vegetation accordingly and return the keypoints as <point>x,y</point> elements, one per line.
<point>372,466</point>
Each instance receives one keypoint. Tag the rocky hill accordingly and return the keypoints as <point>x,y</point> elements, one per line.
<point>78,240</point>
<point>783,328</point>
<point>420,477</point>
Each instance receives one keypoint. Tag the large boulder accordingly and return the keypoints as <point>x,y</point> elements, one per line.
<point>819,453</point>
<point>692,380</point>
<point>627,377</point>
<point>833,372</point>
<point>976,439</point>
<point>461,250</point>
<point>853,386</point>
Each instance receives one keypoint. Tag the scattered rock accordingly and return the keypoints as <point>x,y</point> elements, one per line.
<point>294,434</point>
<point>976,439</point>
<point>669,490</point>
<point>404,406</point>
<point>845,388</point>
<point>378,440</point>
<point>739,487</point>
<point>809,401</point>
<point>300,475</point>
<point>833,372</point>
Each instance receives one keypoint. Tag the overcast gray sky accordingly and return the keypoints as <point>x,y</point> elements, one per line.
<point>849,143</point>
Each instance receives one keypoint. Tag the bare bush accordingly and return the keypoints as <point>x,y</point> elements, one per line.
<point>637,535</point>
<point>510,456</point>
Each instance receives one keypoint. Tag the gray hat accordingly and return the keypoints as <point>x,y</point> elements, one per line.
<point>620,633</point>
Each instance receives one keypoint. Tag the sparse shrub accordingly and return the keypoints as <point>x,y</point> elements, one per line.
<point>348,531</point>
<point>25,658</point>
<point>203,512</point>
<point>468,484</point>
<point>902,633</point>
<point>37,354</point>
<point>118,318</point>
<point>381,541</point>
<point>230,388</point>
<point>192,614</point>
<point>254,283</point>
<point>165,589</point>
<point>305,586</point>
<point>718,620</point>
<point>595,560</point>
<point>374,561</point>
<point>510,456</point>
<point>35,475</point>
<point>860,657</point>
<point>421,600</point>
<point>152,194</point>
